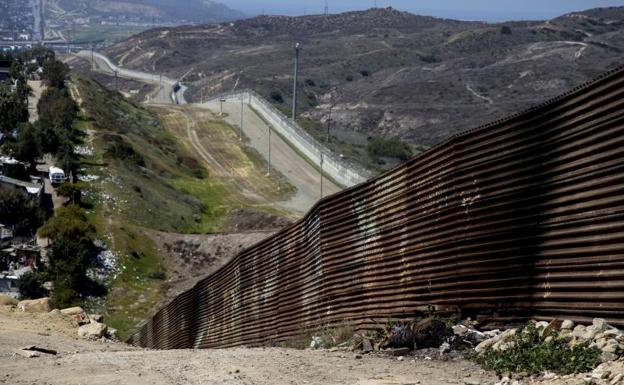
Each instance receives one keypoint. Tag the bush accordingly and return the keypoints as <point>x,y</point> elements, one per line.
<point>30,285</point>
<point>391,148</point>
<point>528,352</point>
<point>19,210</point>
<point>277,97</point>
<point>125,151</point>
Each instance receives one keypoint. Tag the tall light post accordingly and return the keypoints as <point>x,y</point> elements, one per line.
<point>241,118</point>
<point>296,76</point>
<point>269,170</point>
<point>322,160</point>
<point>329,119</point>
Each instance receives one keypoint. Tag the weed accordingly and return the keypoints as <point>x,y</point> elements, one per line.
<point>528,352</point>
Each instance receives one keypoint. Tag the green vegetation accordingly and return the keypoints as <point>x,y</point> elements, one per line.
<point>30,285</point>
<point>71,254</point>
<point>20,211</point>
<point>390,148</point>
<point>530,353</point>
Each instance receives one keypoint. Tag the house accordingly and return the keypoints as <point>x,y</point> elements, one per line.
<point>33,190</point>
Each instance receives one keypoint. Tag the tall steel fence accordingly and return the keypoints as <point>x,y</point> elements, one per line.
<point>521,218</point>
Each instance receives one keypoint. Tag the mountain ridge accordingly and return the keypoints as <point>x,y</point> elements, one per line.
<point>389,73</point>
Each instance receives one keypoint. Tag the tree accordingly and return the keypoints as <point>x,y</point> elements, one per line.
<point>54,73</point>
<point>69,257</point>
<point>30,285</point>
<point>57,112</point>
<point>73,191</point>
<point>20,210</point>
<point>27,144</point>
<point>13,110</point>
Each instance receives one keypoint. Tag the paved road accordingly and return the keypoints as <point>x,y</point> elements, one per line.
<point>163,94</point>
<point>284,158</point>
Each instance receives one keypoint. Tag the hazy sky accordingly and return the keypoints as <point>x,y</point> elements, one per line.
<point>491,10</point>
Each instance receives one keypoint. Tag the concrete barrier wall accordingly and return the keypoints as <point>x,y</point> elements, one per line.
<point>340,170</point>
<point>522,218</point>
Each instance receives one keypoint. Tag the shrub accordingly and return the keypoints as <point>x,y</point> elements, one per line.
<point>391,148</point>
<point>277,97</point>
<point>125,151</point>
<point>528,352</point>
<point>506,30</point>
<point>30,285</point>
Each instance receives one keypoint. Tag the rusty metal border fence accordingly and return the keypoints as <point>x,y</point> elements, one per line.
<point>520,218</point>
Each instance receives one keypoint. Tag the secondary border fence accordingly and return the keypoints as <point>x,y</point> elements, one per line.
<point>341,170</point>
<point>520,218</point>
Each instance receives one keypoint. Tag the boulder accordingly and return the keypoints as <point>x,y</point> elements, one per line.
<point>111,333</point>
<point>72,310</point>
<point>92,330</point>
<point>41,305</point>
<point>567,324</point>
<point>599,325</point>
<point>610,346</point>
<point>96,317</point>
<point>483,346</point>
<point>317,343</point>
<point>5,300</point>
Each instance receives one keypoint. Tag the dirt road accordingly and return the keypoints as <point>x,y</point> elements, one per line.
<point>95,363</point>
<point>284,158</point>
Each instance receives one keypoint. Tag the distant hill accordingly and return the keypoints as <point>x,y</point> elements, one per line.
<point>388,73</point>
<point>195,11</point>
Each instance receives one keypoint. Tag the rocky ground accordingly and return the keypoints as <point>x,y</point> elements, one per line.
<point>65,354</point>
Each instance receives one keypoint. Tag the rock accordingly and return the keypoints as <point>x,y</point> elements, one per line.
<point>610,346</point>
<point>483,346</point>
<point>541,324</point>
<point>549,375</point>
<point>612,332</point>
<point>358,356</point>
<point>599,325</point>
<point>5,300</point>
<point>471,381</point>
<point>92,330</point>
<point>600,374</point>
<point>41,305</point>
<point>316,343</point>
<point>400,358</point>
<point>566,335</point>
<point>96,318</point>
<point>55,312</point>
<point>460,330</point>
<point>567,324</point>
<point>445,348</point>
<point>608,357</point>
<point>616,379</point>
<point>72,310</point>
<point>111,333</point>
<point>367,347</point>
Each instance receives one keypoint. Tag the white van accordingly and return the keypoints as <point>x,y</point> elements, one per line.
<point>57,176</point>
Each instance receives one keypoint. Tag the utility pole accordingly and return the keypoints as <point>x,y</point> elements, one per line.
<point>116,82</point>
<point>269,171</point>
<point>92,59</point>
<point>294,106</point>
<point>322,160</point>
<point>326,8</point>
<point>241,118</point>
<point>329,119</point>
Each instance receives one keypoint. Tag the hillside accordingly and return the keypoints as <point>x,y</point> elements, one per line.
<point>388,73</point>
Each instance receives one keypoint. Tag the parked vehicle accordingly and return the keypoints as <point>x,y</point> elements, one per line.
<point>57,176</point>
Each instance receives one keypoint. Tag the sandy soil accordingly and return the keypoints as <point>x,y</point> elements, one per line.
<point>191,257</point>
<point>94,363</point>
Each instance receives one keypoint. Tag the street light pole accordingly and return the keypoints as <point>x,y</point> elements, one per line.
<point>241,119</point>
<point>294,105</point>
<point>269,172</point>
<point>322,160</point>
